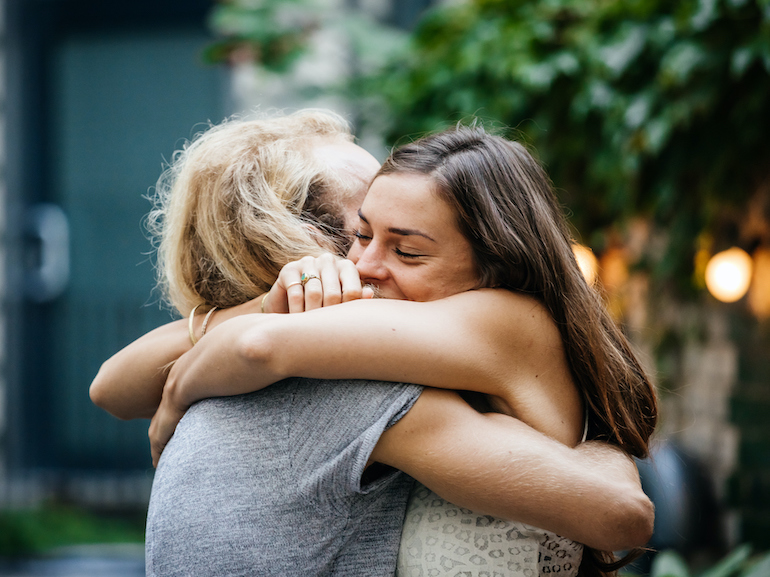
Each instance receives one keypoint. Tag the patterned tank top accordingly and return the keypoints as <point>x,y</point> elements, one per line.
<point>440,539</point>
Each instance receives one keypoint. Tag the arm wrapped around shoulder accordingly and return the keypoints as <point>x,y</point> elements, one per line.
<point>497,465</point>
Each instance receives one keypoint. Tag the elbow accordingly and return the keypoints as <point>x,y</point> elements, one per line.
<point>101,396</point>
<point>631,523</point>
<point>641,521</point>
<point>256,346</point>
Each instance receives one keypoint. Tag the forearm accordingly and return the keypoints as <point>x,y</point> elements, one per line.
<point>432,343</point>
<point>497,465</point>
<point>235,359</point>
<point>129,384</point>
<point>249,353</point>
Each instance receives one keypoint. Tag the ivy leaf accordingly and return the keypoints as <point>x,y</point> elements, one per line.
<point>706,13</point>
<point>680,62</point>
<point>638,111</point>
<point>730,564</point>
<point>669,564</point>
<point>740,60</point>
<point>657,133</point>
<point>619,55</point>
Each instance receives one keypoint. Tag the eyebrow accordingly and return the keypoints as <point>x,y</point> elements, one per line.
<point>400,231</point>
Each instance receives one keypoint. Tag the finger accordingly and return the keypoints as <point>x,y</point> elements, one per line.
<point>367,292</point>
<point>155,455</point>
<point>162,428</point>
<point>276,301</point>
<point>350,280</point>
<point>282,293</point>
<point>155,449</point>
<point>332,285</point>
<point>291,279</point>
<point>314,290</point>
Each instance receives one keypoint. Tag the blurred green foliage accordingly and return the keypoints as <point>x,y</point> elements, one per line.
<point>30,532</point>
<point>646,112</point>
<point>272,33</point>
<point>641,108</point>
<point>275,34</point>
<point>739,563</point>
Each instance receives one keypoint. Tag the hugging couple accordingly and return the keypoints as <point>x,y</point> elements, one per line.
<point>479,417</point>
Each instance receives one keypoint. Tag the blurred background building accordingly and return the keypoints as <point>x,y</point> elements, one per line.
<point>650,116</point>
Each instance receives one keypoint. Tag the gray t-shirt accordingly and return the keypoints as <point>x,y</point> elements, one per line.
<point>270,483</point>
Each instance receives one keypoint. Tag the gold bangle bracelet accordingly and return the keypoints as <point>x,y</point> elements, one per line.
<point>262,306</point>
<point>190,327</point>
<point>206,320</point>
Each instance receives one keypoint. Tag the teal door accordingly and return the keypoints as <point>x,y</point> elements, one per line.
<point>121,94</point>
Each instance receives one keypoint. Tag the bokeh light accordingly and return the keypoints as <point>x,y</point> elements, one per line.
<point>759,293</point>
<point>587,262</point>
<point>728,274</point>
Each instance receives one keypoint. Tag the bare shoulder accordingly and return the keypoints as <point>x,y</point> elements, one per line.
<point>515,317</point>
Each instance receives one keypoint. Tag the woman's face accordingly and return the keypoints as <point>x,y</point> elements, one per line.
<point>408,243</point>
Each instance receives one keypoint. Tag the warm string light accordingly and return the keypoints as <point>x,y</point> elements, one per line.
<point>728,274</point>
<point>587,262</point>
<point>759,292</point>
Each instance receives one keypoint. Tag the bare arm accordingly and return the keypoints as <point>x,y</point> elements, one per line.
<point>497,465</point>
<point>490,341</point>
<point>469,338</point>
<point>130,383</point>
<point>251,352</point>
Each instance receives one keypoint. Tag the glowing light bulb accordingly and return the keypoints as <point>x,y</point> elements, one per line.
<point>587,262</point>
<point>728,274</point>
<point>759,293</point>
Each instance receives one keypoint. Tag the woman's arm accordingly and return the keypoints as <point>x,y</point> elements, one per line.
<point>494,464</point>
<point>130,383</point>
<point>497,465</point>
<point>467,340</point>
<point>487,341</point>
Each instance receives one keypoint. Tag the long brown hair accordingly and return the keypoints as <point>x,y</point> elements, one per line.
<point>508,211</point>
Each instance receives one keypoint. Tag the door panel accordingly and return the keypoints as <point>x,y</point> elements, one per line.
<point>120,101</point>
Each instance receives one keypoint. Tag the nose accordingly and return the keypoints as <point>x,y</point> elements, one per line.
<point>369,262</point>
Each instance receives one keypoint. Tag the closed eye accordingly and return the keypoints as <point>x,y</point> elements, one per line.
<point>407,254</point>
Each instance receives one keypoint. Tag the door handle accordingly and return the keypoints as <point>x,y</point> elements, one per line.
<point>48,273</point>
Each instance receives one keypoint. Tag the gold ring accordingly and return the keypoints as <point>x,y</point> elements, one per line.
<point>305,278</point>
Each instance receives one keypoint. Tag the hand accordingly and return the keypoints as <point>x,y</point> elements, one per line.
<point>328,280</point>
<point>164,421</point>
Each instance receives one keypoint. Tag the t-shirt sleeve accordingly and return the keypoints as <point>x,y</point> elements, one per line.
<point>337,424</point>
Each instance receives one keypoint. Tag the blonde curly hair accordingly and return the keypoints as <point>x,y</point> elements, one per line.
<point>241,200</point>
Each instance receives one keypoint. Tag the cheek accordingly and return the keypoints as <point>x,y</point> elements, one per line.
<point>454,278</point>
<point>421,285</point>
